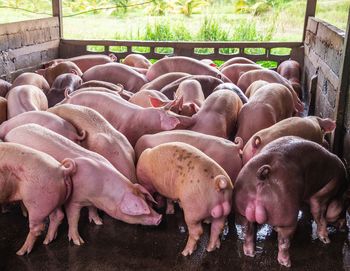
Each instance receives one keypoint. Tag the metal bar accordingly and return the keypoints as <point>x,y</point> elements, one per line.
<point>57,12</point>
<point>343,96</point>
<point>310,12</point>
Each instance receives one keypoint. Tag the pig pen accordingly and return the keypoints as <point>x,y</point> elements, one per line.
<point>325,59</point>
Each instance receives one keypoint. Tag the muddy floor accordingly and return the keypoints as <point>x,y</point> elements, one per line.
<point>119,246</point>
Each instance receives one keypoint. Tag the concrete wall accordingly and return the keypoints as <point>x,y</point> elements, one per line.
<point>25,45</point>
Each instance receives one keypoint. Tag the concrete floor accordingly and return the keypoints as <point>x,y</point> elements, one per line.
<point>119,246</point>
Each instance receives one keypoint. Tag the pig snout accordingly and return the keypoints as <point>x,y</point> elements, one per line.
<point>256,212</point>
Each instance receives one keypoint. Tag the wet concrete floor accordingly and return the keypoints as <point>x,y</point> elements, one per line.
<point>119,246</point>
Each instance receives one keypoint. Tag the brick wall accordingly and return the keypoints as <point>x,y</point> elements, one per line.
<point>25,45</point>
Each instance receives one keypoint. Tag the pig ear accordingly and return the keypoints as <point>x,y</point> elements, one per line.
<point>134,205</point>
<point>327,125</point>
<point>168,122</point>
<point>194,107</point>
<point>157,102</point>
<point>175,104</point>
<point>145,192</point>
<point>256,142</point>
<point>263,172</point>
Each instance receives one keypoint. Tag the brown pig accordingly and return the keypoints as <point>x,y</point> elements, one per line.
<point>116,73</point>
<point>3,109</point>
<point>183,173</point>
<point>234,71</point>
<point>100,137</point>
<point>163,80</point>
<point>137,61</point>
<point>25,98</point>
<point>45,119</point>
<point>270,104</point>
<point>236,60</point>
<point>254,87</point>
<point>183,64</point>
<point>310,128</point>
<point>34,79</point>
<point>218,114</point>
<point>96,183</point>
<point>273,185</point>
<point>40,182</point>
<point>4,87</point>
<point>272,77</point>
<point>65,82</point>
<point>290,69</point>
<point>224,152</point>
<point>52,72</point>
<point>131,120</point>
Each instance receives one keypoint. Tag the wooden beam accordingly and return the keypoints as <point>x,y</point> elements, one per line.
<point>57,12</point>
<point>344,95</point>
<point>310,12</point>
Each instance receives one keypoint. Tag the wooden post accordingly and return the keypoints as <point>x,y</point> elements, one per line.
<point>57,12</point>
<point>343,96</point>
<point>310,12</point>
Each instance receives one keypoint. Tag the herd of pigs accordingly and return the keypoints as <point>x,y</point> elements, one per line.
<point>129,138</point>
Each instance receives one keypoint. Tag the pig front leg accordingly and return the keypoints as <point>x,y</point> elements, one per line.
<point>73,214</point>
<point>217,226</point>
<point>284,236</point>
<point>56,218</point>
<point>93,215</point>
<point>36,226</point>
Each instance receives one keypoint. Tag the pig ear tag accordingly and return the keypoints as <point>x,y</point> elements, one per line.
<point>263,172</point>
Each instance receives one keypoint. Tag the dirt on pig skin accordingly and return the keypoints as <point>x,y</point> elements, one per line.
<point>119,246</point>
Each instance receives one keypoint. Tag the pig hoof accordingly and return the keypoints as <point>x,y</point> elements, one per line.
<point>324,239</point>
<point>248,251</point>
<point>284,262</point>
<point>24,250</point>
<point>188,251</point>
<point>97,221</point>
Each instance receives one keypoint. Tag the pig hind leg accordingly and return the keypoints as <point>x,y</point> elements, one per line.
<point>73,214</point>
<point>284,236</point>
<point>318,207</point>
<point>56,218</point>
<point>36,226</point>
<point>93,215</point>
<point>217,226</point>
<point>195,230</point>
<point>249,229</point>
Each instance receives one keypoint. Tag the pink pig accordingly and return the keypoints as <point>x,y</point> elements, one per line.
<point>137,61</point>
<point>183,173</point>
<point>25,98</point>
<point>163,80</point>
<point>34,79</point>
<point>236,60</point>
<point>234,71</point>
<point>96,182</point>
<point>40,182</point>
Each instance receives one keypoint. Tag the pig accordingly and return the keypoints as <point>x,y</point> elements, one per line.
<point>235,89</point>
<point>40,182</point>
<point>270,76</point>
<point>311,128</point>
<point>52,72</point>
<point>236,60</point>
<point>183,64</point>
<point>290,69</point>
<point>85,62</point>
<point>270,104</point>
<point>163,80</point>
<point>208,84</point>
<point>272,186</point>
<point>209,62</point>
<point>45,119</point>
<point>183,173</point>
<point>142,98</point>
<point>255,86</point>
<point>3,110</point>
<point>100,137</point>
<point>30,78</point>
<point>96,183</point>
<point>4,87</point>
<point>65,82</point>
<point>226,153</point>
<point>116,88</point>
<point>25,98</point>
<point>95,89</point>
<point>137,61</point>
<point>234,71</point>
<point>116,73</point>
<point>218,114</point>
<point>131,120</point>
